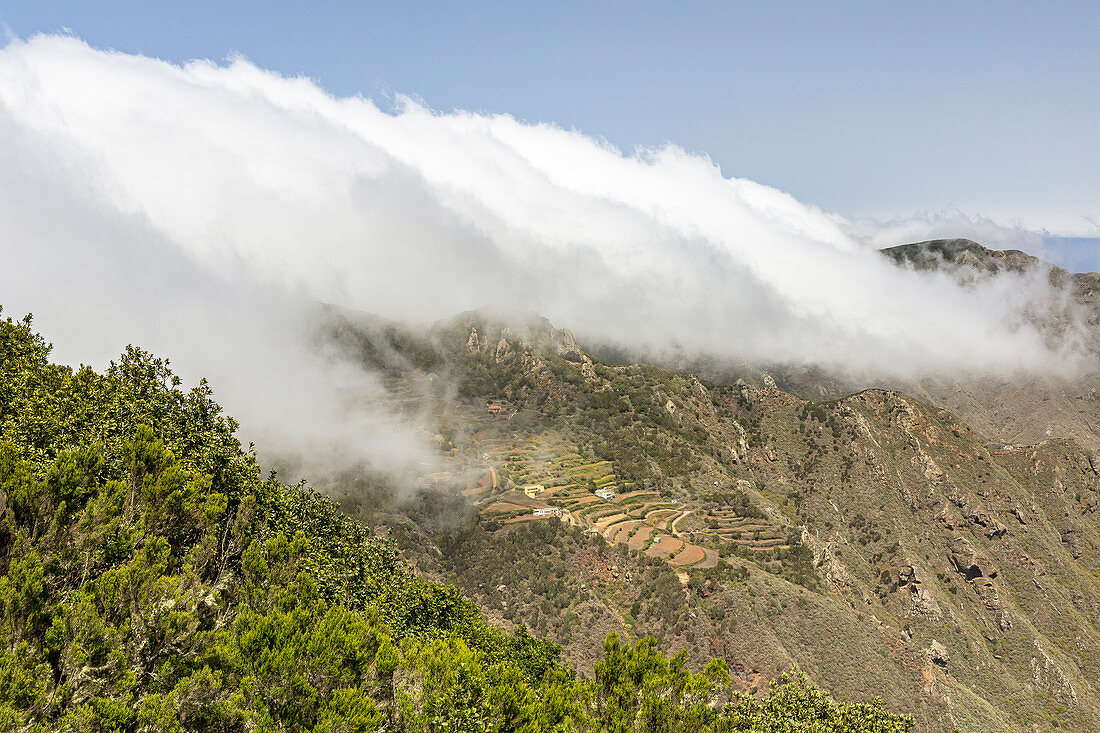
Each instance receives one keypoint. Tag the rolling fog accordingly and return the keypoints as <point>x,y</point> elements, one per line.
<point>202,211</point>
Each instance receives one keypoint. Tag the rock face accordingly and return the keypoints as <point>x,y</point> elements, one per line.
<point>567,347</point>
<point>990,525</point>
<point>969,562</point>
<point>995,606</point>
<point>937,654</point>
<point>739,449</point>
<point>474,344</point>
<point>504,349</point>
<point>828,565</point>
<point>921,600</point>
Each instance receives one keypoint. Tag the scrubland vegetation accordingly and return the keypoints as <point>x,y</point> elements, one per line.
<point>154,579</point>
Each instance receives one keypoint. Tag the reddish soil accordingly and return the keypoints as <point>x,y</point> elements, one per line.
<point>665,548</point>
<point>638,541</point>
<point>690,555</point>
<point>622,532</point>
<point>711,559</point>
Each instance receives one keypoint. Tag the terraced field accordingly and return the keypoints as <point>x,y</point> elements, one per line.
<point>754,534</point>
<point>640,519</point>
<point>664,546</point>
<point>640,537</point>
<point>511,476</point>
<point>556,476</point>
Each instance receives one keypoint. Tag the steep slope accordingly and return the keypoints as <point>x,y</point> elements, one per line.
<point>151,580</point>
<point>875,540</point>
<point>1010,409</point>
<point>1021,410</point>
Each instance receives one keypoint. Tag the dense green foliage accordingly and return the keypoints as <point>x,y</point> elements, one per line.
<point>154,580</point>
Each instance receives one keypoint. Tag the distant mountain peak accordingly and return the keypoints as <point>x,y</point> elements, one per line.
<point>935,253</point>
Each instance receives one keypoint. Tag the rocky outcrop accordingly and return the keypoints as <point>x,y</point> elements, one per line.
<point>993,603</point>
<point>990,526</point>
<point>739,452</point>
<point>568,349</point>
<point>1047,674</point>
<point>828,565</point>
<point>921,600</point>
<point>938,654</point>
<point>504,348</point>
<point>475,344</point>
<point>968,562</point>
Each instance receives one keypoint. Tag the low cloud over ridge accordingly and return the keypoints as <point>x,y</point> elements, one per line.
<point>194,209</point>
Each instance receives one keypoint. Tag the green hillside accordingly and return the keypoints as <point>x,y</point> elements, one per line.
<point>877,541</point>
<point>154,580</point>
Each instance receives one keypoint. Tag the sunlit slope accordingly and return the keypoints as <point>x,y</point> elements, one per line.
<point>875,540</point>
<point>153,580</point>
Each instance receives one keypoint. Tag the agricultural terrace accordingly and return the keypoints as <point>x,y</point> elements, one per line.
<point>543,471</point>
<point>525,477</point>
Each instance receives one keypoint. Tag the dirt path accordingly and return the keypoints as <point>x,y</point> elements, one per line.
<point>672,525</point>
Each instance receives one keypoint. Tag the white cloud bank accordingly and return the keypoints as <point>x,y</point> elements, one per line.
<point>194,209</point>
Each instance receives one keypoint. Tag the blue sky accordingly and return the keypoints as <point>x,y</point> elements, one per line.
<point>865,109</point>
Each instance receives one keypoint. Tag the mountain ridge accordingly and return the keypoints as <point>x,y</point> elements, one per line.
<point>152,580</point>
<point>744,521</point>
